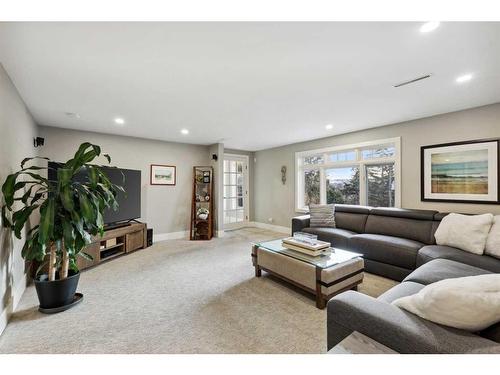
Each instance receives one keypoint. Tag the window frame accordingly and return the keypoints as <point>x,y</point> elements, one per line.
<point>359,162</point>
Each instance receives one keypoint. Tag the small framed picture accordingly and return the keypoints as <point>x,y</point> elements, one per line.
<point>162,174</point>
<point>206,173</point>
<point>206,179</point>
<point>462,172</point>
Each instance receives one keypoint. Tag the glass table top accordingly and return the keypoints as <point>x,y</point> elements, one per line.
<point>328,258</point>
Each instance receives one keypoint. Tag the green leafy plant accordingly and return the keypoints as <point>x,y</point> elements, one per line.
<point>70,211</point>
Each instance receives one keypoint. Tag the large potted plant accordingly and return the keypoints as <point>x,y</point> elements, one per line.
<point>70,212</point>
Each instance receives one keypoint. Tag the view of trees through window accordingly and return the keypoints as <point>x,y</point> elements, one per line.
<point>311,187</point>
<point>380,187</point>
<point>342,185</point>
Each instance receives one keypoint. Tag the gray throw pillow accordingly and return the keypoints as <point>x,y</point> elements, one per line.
<point>322,215</point>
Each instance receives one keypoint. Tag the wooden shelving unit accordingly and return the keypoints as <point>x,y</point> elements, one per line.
<point>202,199</point>
<point>113,243</point>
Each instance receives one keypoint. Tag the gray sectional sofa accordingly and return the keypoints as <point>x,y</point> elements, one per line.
<point>393,241</point>
<point>400,244</point>
<point>403,331</point>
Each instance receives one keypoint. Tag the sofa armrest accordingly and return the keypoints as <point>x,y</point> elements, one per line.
<point>396,328</point>
<point>300,222</point>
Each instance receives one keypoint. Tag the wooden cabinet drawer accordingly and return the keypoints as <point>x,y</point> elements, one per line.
<point>135,240</point>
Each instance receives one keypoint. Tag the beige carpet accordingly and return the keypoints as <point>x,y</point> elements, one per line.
<point>179,297</point>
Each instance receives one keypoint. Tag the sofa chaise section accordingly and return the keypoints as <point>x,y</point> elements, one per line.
<point>403,331</point>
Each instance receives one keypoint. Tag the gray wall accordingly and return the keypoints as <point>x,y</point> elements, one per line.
<point>17,130</point>
<point>166,209</point>
<point>276,201</point>
<point>251,177</point>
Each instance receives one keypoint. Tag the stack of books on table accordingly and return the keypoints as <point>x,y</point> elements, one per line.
<point>312,248</point>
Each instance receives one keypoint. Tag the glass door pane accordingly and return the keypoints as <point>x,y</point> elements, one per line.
<point>235,193</point>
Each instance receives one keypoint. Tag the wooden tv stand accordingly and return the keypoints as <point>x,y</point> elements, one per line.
<point>113,243</point>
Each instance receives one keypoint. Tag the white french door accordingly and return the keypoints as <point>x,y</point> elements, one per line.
<point>235,191</point>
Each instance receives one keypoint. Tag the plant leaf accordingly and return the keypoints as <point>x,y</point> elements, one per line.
<point>66,195</point>
<point>20,217</point>
<point>69,236</point>
<point>8,189</point>
<point>46,228</point>
<point>5,220</point>
<point>86,256</point>
<point>28,159</point>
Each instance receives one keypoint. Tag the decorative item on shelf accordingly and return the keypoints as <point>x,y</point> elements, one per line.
<point>206,177</point>
<point>163,174</point>
<point>283,174</point>
<point>70,212</point>
<point>202,213</point>
<point>463,172</point>
<point>201,220</point>
<point>199,177</point>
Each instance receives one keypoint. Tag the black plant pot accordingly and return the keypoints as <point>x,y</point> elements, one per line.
<point>57,293</point>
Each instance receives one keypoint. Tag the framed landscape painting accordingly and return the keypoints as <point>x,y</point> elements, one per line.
<point>462,172</point>
<point>162,174</point>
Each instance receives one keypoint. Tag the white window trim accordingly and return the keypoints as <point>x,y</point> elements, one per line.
<point>299,186</point>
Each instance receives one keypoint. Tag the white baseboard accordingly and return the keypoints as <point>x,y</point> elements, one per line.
<point>14,301</point>
<point>178,235</point>
<point>272,227</point>
<point>171,236</point>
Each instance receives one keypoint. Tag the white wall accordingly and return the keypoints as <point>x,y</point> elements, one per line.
<point>17,130</point>
<point>275,200</point>
<point>166,209</point>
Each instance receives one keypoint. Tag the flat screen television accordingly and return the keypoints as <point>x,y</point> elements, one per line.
<point>129,203</point>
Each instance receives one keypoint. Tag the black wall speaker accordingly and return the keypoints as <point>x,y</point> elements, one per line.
<point>150,237</point>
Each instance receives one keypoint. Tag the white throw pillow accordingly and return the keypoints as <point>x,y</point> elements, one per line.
<point>493,241</point>
<point>468,233</point>
<point>470,303</point>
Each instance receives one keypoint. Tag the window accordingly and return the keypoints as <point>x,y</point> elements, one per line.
<point>380,187</point>
<point>342,185</point>
<point>311,187</point>
<point>364,174</point>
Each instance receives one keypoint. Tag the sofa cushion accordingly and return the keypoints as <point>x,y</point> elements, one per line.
<point>322,215</point>
<point>397,251</point>
<point>336,236</point>
<point>407,226</point>
<point>466,232</point>
<point>471,303</point>
<point>404,213</point>
<point>440,269</point>
<point>350,221</point>
<point>428,253</point>
<point>389,271</point>
<point>401,290</point>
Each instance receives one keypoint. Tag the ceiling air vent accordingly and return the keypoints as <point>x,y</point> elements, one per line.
<point>412,80</point>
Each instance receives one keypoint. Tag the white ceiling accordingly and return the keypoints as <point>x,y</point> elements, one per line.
<point>250,85</point>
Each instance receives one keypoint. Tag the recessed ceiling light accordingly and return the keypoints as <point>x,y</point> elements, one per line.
<point>185,131</point>
<point>329,127</point>
<point>464,78</point>
<point>429,26</point>
<point>119,121</point>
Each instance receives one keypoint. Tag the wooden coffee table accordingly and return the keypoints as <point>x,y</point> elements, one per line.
<point>333,272</point>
